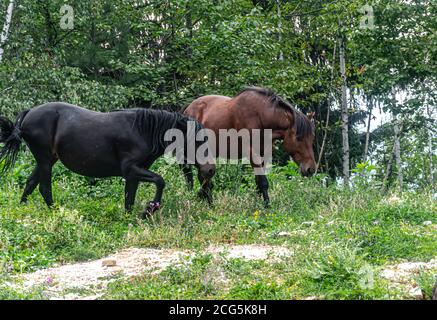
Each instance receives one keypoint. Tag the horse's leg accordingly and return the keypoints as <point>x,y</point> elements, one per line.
<point>31,184</point>
<point>205,191</point>
<point>43,171</point>
<point>263,188</point>
<point>188,173</point>
<point>136,173</point>
<point>130,192</point>
<point>261,180</point>
<point>45,181</point>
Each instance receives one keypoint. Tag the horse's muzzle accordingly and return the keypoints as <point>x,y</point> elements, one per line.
<point>307,172</point>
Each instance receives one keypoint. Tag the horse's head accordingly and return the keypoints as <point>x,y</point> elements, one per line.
<point>206,169</point>
<point>298,143</point>
<point>205,160</point>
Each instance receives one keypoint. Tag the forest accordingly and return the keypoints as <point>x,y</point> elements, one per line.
<point>367,71</point>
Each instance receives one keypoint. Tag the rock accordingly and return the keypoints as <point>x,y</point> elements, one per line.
<point>284,234</point>
<point>416,293</point>
<point>109,263</point>
<point>389,274</point>
<point>427,223</point>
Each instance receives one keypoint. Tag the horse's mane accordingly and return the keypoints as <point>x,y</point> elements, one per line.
<point>152,124</point>
<point>304,127</point>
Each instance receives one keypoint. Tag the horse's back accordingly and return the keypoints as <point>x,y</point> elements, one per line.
<point>57,106</point>
<point>85,141</point>
<point>212,111</point>
<point>49,112</point>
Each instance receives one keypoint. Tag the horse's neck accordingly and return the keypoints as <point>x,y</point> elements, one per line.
<point>269,117</point>
<point>278,121</point>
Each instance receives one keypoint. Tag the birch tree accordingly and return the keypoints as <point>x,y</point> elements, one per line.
<point>369,119</point>
<point>344,112</point>
<point>281,54</point>
<point>429,131</point>
<point>397,151</point>
<point>6,26</point>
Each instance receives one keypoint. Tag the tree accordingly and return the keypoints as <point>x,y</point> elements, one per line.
<point>164,54</point>
<point>369,119</point>
<point>7,24</point>
<point>344,113</point>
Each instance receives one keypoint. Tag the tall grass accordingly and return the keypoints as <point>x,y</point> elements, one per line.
<point>339,237</point>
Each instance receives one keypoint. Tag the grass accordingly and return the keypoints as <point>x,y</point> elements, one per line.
<point>340,238</point>
<point>209,278</point>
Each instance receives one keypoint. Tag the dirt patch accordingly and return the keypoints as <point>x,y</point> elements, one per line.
<point>251,252</point>
<point>89,280</point>
<point>402,276</point>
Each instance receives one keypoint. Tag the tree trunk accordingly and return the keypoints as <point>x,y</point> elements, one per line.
<point>389,168</point>
<point>7,24</point>
<point>344,114</point>
<point>281,53</point>
<point>369,119</point>
<point>430,149</point>
<point>189,27</point>
<point>397,149</point>
<point>51,31</point>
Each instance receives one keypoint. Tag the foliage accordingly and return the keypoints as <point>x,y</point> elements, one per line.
<point>164,54</point>
<point>426,281</point>
<point>123,54</point>
<point>335,234</point>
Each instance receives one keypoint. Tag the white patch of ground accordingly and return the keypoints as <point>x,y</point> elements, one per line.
<point>251,252</point>
<point>88,280</point>
<point>402,276</point>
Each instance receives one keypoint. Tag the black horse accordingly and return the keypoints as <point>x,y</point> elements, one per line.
<point>121,143</point>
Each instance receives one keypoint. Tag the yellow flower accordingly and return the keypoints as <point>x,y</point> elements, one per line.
<point>256,215</point>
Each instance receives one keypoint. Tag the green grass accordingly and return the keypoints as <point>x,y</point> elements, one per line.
<point>426,281</point>
<point>337,277</point>
<point>340,238</point>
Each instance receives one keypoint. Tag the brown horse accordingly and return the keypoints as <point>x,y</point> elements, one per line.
<point>257,108</point>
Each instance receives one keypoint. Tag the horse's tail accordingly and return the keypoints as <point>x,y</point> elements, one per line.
<point>10,135</point>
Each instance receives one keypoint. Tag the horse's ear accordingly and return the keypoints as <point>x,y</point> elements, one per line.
<point>311,115</point>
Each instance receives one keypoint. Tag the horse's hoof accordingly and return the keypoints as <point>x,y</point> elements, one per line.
<point>205,196</point>
<point>209,200</point>
<point>151,208</point>
<point>144,215</point>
